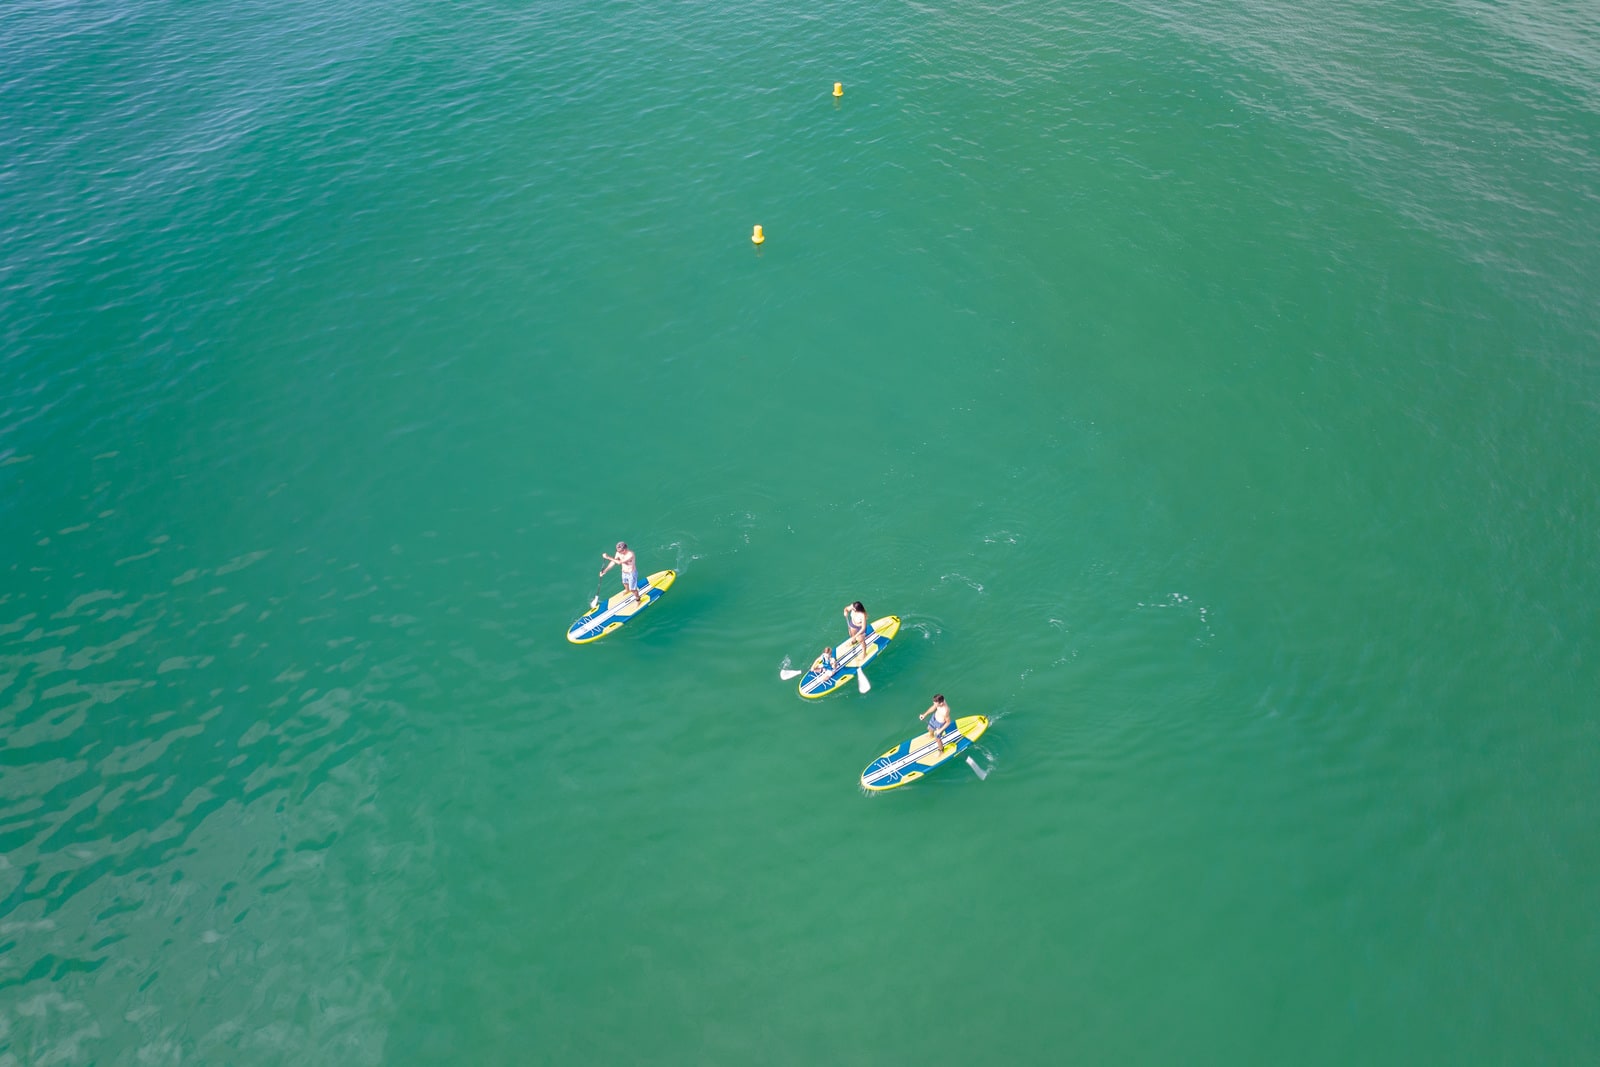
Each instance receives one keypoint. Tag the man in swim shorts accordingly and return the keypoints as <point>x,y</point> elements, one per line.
<point>940,723</point>
<point>630,568</point>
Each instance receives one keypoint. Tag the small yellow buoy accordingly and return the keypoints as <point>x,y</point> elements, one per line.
<point>838,88</point>
<point>757,237</point>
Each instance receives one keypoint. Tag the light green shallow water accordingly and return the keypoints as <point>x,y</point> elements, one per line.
<point>1211,389</point>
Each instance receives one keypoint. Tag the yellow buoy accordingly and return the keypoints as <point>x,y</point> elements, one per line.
<point>838,88</point>
<point>757,237</point>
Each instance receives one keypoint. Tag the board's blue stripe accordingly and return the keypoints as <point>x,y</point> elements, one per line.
<point>844,674</point>
<point>897,766</point>
<point>597,622</point>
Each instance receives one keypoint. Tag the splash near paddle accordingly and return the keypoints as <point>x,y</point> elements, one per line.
<point>620,609</point>
<point>910,760</point>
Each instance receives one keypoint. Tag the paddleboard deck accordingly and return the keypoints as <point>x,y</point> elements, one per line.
<point>910,760</point>
<point>820,680</point>
<point>621,608</point>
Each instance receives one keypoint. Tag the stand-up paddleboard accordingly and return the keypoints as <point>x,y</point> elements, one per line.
<point>910,760</point>
<point>819,681</point>
<point>619,609</point>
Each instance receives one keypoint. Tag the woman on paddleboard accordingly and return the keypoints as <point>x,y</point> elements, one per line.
<point>629,564</point>
<point>941,718</point>
<point>855,620</point>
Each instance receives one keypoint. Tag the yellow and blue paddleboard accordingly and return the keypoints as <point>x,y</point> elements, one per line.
<point>819,682</point>
<point>619,609</point>
<point>910,760</point>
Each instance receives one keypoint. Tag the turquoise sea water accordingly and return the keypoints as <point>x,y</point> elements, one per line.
<point>1212,389</point>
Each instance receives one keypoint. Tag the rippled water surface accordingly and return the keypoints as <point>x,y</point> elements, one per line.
<point>1212,389</point>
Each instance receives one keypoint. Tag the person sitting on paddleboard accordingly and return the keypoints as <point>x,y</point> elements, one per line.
<point>629,564</point>
<point>941,718</point>
<point>855,620</point>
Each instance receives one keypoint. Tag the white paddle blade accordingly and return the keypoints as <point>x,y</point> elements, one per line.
<point>789,676</point>
<point>979,771</point>
<point>861,680</point>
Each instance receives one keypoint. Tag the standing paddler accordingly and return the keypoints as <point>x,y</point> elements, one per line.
<point>630,568</point>
<point>940,723</point>
<point>855,620</point>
